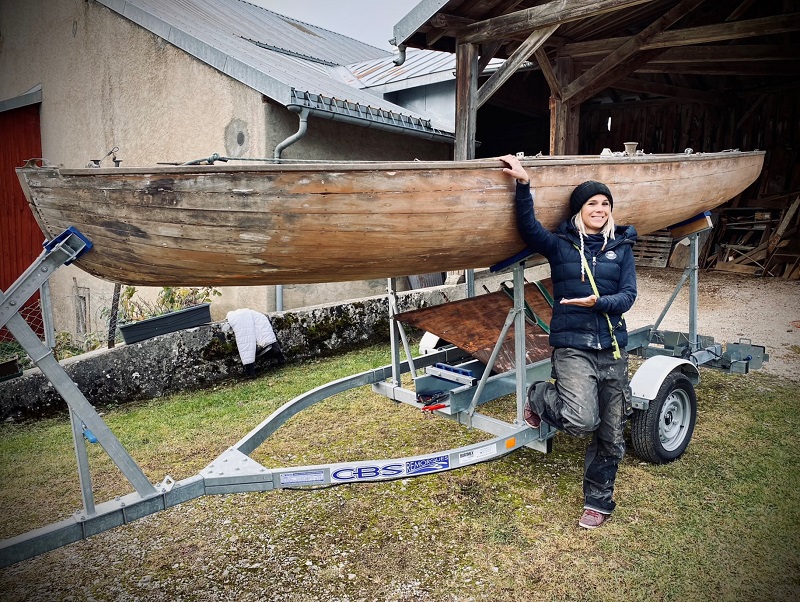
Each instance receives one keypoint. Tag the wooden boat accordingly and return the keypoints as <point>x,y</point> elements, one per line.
<point>325,222</point>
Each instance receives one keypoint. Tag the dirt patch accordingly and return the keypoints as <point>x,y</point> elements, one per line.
<point>764,310</point>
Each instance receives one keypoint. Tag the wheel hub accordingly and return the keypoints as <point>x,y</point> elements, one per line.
<point>675,417</point>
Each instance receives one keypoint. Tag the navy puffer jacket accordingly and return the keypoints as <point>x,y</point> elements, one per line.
<point>613,270</point>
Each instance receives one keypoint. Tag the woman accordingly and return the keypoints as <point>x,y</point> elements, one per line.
<point>594,283</point>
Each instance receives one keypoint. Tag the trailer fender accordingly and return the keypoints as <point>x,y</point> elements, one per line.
<point>651,374</point>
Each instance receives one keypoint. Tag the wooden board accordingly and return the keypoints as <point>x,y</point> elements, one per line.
<point>475,324</point>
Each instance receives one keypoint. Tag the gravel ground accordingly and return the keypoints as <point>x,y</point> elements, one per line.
<point>731,306</point>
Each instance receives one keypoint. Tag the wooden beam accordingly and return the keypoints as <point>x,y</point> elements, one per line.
<point>564,119</point>
<point>442,23</point>
<point>466,98</point>
<point>537,17</point>
<point>726,31</point>
<point>445,21</point>
<point>758,68</point>
<point>728,53</point>
<point>626,59</point>
<point>736,268</point>
<point>488,51</point>
<point>781,229</point>
<point>753,108</point>
<point>505,6</point>
<point>549,74</point>
<point>740,10</point>
<point>578,50</point>
<point>692,35</point>
<point>507,69</point>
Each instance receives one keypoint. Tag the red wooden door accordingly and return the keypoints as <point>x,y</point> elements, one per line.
<point>20,236</point>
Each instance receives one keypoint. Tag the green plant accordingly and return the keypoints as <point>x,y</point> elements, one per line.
<point>10,350</point>
<point>65,347</point>
<point>133,307</point>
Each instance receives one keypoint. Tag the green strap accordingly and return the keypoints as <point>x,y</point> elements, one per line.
<point>530,315</point>
<point>545,293</point>
<point>617,352</point>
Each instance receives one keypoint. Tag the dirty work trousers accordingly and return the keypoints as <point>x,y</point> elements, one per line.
<point>591,396</point>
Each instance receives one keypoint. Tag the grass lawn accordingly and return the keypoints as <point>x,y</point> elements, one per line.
<point>721,523</point>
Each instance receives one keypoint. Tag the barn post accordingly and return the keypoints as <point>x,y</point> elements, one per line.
<point>466,121</point>
<point>564,116</point>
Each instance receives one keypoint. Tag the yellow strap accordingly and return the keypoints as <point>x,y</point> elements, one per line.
<point>614,344</point>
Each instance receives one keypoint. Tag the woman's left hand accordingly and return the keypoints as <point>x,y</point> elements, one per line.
<point>515,168</point>
<point>581,301</point>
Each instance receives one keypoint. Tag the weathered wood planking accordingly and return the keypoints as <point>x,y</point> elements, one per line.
<point>475,324</point>
<point>285,224</point>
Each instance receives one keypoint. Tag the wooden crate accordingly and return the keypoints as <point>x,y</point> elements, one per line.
<point>653,249</point>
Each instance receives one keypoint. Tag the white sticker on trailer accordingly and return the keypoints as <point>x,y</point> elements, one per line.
<point>307,477</point>
<point>476,455</point>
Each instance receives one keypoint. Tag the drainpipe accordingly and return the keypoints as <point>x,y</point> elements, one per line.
<point>401,57</point>
<point>301,131</point>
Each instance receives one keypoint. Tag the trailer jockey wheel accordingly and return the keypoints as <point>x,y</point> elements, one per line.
<point>661,433</point>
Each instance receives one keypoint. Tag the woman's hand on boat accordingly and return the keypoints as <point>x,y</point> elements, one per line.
<point>515,168</point>
<point>581,301</point>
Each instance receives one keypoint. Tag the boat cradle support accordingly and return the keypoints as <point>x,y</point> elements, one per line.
<point>667,352</point>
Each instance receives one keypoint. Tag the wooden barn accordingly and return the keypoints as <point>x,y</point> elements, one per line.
<point>672,75</point>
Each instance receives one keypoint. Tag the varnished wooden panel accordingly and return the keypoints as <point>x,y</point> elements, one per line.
<point>475,325</point>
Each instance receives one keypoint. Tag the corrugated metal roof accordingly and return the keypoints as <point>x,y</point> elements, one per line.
<point>420,67</point>
<point>273,54</point>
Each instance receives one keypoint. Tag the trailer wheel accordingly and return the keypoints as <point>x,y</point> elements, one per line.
<point>661,433</point>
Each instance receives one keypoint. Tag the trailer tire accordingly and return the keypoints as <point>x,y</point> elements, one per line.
<point>661,433</point>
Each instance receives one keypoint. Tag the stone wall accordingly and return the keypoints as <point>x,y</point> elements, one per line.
<point>203,356</point>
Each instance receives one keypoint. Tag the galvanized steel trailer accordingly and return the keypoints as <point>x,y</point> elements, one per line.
<point>662,424</point>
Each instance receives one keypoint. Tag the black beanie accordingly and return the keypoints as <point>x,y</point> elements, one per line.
<point>584,192</point>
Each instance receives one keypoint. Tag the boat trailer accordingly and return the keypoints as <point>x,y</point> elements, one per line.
<point>447,381</point>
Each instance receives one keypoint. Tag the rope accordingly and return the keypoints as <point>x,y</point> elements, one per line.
<point>210,160</point>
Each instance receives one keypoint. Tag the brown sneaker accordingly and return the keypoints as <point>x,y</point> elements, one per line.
<point>591,519</point>
<point>531,418</point>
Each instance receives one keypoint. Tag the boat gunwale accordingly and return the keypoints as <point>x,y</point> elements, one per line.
<point>315,166</point>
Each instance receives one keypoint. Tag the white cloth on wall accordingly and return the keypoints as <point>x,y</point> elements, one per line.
<point>252,329</point>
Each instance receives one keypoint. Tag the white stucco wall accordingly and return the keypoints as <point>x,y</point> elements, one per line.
<point>107,82</point>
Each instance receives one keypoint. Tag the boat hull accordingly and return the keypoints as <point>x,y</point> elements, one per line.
<point>329,222</point>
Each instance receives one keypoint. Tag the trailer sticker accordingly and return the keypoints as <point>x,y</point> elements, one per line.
<point>428,465</point>
<point>368,472</point>
<point>476,455</point>
<point>308,477</point>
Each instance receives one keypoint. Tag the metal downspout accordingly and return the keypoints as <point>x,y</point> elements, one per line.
<point>401,57</point>
<point>301,131</point>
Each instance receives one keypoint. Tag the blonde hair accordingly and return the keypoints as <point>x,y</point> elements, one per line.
<point>607,232</point>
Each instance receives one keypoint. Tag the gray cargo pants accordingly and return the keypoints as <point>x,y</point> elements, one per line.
<point>591,396</point>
